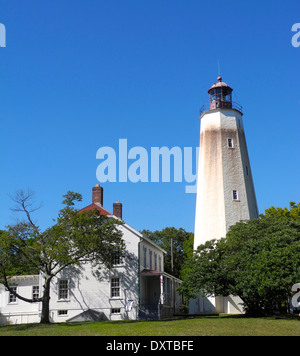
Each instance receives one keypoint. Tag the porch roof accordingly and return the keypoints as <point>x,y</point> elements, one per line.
<point>149,273</point>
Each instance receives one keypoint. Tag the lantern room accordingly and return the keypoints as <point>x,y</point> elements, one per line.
<point>220,95</point>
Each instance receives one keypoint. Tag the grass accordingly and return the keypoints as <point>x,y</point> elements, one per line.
<point>194,326</point>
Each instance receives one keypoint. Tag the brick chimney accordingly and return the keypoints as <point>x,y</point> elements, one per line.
<point>117,210</point>
<point>98,195</point>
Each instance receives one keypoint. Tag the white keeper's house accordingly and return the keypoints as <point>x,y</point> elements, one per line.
<point>135,288</point>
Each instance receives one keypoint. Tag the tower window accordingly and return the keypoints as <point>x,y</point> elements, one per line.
<point>235,195</point>
<point>230,143</point>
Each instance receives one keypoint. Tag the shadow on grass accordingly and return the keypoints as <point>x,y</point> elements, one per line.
<point>25,327</point>
<point>22,327</point>
<point>273,317</point>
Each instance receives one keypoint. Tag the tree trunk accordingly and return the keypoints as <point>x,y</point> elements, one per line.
<point>45,319</point>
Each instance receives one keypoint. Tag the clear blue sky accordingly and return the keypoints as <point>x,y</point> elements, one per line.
<point>77,75</point>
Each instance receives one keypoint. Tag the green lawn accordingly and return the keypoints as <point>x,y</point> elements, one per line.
<point>198,326</point>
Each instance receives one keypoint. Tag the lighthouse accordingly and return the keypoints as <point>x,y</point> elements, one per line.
<point>225,189</point>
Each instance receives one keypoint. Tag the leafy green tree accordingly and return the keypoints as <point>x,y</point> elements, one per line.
<point>188,250</point>
<point>16,263</point>
<point>74,239</point>
<point>280,213</point>
<point>257,261</point>
<point>177,243</point>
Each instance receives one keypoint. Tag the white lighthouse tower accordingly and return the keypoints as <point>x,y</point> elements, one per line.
<point>225,190</point>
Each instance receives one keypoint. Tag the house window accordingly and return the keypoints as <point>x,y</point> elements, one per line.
<point>117,260</point>
<point>150,256</point>
<point>235,195</point>
<point>230,143</point>
<point>63,289</point>
<point>145,256</point>
<point>155,261</point>
<point>12,298</point>
<point>115,287</point>
<point>35,292</point>
<point>116,310</point>
<point>159,262</point>
<point>62,312</point>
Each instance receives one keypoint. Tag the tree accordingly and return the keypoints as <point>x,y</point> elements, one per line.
<point>257,261</point>
<point>74,239</point>
<point>280,213</point>
<point>177,243</point>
